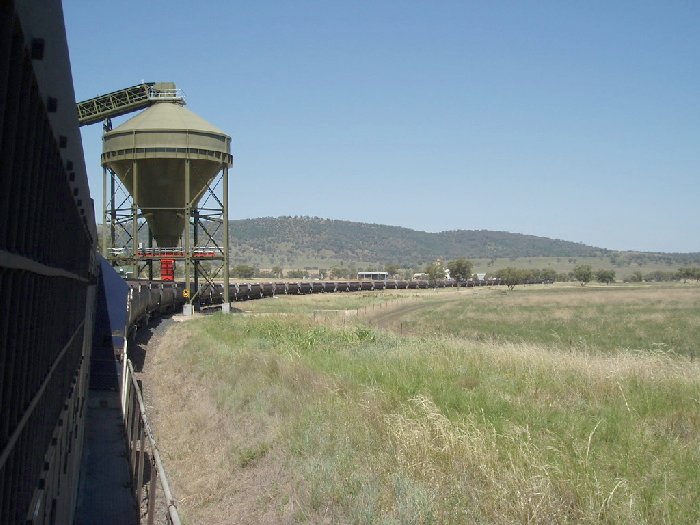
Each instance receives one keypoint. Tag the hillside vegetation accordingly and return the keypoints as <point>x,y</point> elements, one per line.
<point>297,242</point>
<point>292,238</point>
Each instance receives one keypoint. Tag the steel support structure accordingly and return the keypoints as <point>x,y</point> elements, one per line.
<point>123,226</point>
<point>206,243</point>
<point>204,251</point>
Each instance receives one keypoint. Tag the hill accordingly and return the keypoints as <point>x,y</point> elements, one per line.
<point>296,241</point>
<point>312,242</point>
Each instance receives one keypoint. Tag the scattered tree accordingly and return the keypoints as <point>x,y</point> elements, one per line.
<point>277,271</point>
<point>605,276</point>
<point>660,276</point>
<point>435,271</point>
<point>296,274</point>
<point>636,277</point>
<point>548,275</point>
<point>392,269</point>
<point>689,272</point>
<point>583,274</point>
<point>512,276</point>
<point>460,269</point>
<point>338,272</point>
<point>243,271</point>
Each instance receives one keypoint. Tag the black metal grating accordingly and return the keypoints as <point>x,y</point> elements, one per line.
<point>43,292</point>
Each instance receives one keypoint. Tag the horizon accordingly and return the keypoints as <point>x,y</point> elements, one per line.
<point>565,121</point>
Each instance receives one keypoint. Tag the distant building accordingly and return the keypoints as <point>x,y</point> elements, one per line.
<point>372,276</point>
<point>419,276</point>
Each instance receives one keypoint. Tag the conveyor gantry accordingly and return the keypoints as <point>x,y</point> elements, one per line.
<point>126,100</point>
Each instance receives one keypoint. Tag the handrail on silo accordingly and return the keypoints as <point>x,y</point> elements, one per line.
<point>158,94</point>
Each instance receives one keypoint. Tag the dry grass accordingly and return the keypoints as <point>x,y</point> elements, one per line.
<point>223,468</point>
<point>287,420</point>
<point>595,319</point>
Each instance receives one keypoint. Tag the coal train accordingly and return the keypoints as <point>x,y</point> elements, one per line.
<point>148,299</point>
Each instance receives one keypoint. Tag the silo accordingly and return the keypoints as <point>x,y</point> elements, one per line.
<point>166,157</point>
<point>150,152</point>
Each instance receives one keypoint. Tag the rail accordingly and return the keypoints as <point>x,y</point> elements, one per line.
<point>166,94</point>
<point>198,251</point>
<point>142,448</point>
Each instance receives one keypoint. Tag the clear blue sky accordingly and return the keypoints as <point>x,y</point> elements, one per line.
<point>570,120</point>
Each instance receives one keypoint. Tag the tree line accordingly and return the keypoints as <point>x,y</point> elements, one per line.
<point>461,269</point>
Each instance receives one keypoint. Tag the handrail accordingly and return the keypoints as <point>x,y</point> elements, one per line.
<point>137,429</point>
<point>202,251</point>
<point>165,94</point>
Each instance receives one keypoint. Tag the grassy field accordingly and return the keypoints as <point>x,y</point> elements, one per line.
<point>329,303</point>
<point>542,405</point>
<point>594,319</point>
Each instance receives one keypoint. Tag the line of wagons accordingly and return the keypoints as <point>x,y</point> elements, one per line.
<point>246,291</point>
<point>149,298</point>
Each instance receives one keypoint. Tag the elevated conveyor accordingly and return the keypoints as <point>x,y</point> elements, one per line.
<point>126,100</point>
